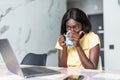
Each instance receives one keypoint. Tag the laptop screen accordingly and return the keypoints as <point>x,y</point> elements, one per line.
<point>9,57</point>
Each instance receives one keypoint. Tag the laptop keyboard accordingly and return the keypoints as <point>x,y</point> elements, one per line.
<point>38,70</point>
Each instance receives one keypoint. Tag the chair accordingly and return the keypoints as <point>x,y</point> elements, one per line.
<point>101,62</point>
<point>35,59</point>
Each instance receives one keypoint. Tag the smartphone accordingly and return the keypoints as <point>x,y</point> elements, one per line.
<point>74,77</point>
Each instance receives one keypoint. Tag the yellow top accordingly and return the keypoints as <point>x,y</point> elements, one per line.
<point>87,42</point>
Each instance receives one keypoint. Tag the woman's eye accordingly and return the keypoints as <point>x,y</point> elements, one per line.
<point>76,27</point>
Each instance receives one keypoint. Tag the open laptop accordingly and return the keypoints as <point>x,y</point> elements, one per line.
<point>14,67</point>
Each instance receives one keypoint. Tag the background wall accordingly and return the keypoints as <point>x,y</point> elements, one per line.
<point>88,6</point>
<point>112,31</point>
<point>32,26</point>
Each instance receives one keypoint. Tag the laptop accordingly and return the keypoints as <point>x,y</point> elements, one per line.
<point>14,67</point>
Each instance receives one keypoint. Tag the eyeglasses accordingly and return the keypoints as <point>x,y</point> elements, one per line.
<point>75,28</point>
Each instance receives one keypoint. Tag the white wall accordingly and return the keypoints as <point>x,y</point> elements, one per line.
<point>88,6</point>
<point>111,33</point>
<point>32,26</point>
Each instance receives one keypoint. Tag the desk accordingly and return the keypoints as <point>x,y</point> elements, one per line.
<point>89,74</point>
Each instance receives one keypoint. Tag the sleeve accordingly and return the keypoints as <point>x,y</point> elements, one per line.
<point>58,46</point>
<point>94,40</point>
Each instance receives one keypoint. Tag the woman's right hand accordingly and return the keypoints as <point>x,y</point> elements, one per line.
<point>62,41</point>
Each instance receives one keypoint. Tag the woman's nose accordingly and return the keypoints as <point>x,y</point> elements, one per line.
<point>72,29</point>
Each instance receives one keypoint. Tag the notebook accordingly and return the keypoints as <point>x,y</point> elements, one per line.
<point>14,67</point>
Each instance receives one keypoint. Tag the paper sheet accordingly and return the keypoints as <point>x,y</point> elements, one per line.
<point>108,76</point>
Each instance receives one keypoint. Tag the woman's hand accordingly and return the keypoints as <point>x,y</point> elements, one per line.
<point>62,41</point>
<point>76,37</point>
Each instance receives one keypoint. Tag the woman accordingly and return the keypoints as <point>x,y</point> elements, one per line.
<point>84,53</point>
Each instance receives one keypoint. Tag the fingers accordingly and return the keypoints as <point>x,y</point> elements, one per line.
<point>76,37</point>
<point>63,44</point>
<point>62,40</point>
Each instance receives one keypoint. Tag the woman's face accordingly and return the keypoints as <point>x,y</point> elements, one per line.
<point>74,26</point>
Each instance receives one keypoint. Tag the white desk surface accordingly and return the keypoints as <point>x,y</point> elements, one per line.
<point>89,74</point>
